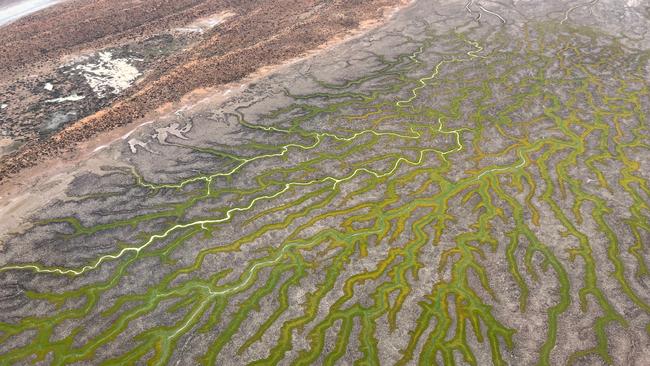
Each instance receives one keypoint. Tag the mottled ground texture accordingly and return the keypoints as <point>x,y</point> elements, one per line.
<point>82,67</point>
<point>467,185</point>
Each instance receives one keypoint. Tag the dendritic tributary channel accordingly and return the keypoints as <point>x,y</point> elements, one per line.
<point>475,194</point>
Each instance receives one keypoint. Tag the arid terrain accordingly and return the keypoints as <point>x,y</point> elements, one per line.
<point>82,67</point>
<point>326,183</point>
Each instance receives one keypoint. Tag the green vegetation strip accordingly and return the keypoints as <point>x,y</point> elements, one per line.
<point>402,144</point>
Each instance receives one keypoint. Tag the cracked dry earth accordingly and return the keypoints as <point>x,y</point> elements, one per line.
<point>466,185</point>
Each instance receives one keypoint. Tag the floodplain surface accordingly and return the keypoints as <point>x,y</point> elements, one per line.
<point>466,185</point>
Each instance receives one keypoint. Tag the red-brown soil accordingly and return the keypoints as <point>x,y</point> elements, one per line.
<point>260,33</point>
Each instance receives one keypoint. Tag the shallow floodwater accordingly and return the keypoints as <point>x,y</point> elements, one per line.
<point>11,10</point>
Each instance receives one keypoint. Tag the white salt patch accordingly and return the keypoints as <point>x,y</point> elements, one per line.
<point>135,143</point>
<point>207,23</point>
<point>173,129</point>
<point>48,86</point>
<point>3,106</point>
<point>133,130</point>
<point>72,98</point>
<point>633,2</point>
<point>109,75</point>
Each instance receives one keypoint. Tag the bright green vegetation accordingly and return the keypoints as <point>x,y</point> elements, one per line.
<point>435,171</point>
